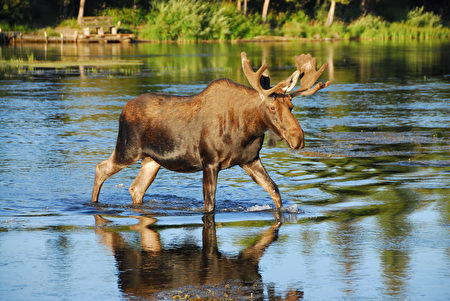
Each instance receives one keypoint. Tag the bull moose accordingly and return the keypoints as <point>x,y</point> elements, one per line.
<point>218,128</point>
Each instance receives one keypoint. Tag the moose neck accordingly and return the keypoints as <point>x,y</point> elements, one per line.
<point>257,118</point>
<point>242,102</point>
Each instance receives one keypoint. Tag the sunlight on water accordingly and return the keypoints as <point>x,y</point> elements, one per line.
<point>366,206</point>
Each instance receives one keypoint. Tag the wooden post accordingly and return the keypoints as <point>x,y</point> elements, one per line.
<point>62,38</point>
<point>46,37</point>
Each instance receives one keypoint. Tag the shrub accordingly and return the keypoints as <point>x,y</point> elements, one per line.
<point>194,20</point>
<point>175,20</point>
<point>300,17</point>
<point>71,23</point>
<point>415,27</point>
<point>127,16</point>
<point>368,26</point>
<point>418,18</point>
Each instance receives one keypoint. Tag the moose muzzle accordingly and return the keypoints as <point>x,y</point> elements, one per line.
<point>295,138</point>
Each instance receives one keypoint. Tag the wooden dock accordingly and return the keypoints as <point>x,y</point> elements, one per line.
<point>7,37</point>
<point>12,38</point>
<point>96,29</point>
<point>107,38</point>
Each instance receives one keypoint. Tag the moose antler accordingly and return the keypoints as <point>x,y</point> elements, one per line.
<point>306,65</point>
<point>306,70</point>
<point>254,78</point>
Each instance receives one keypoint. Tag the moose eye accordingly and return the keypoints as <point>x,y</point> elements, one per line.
<point>272,108</point>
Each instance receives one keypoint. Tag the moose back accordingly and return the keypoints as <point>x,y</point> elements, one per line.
<point>220,127</point>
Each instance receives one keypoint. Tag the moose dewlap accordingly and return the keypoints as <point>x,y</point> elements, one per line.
<point>218,128</point>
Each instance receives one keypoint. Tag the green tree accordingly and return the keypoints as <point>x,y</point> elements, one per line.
<point>14,11</point>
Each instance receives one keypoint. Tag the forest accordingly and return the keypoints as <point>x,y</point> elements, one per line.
<point>186,20</point>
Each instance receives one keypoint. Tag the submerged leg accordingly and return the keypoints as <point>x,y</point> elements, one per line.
<point>210,173</point>
<point>103,171</point>
<point>145,177</point>
<point>259,174</point>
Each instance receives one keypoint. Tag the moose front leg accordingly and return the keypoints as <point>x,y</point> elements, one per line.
<point>259,174</point>
<point>145,177</point>
<point>103,171</point>
<point>210,173</point>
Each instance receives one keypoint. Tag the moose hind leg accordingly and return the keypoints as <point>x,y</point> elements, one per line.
<point>103,171</point>
<point>147,173</point>
<point>259,174</point>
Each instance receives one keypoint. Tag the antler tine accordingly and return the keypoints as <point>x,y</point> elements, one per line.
<point>253,77</point>
<point>306,65</point>
<point>286,85</point>
<point>311,91</point>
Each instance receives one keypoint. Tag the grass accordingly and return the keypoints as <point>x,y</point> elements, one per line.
<point>417,26</point>
<point>414,28</point>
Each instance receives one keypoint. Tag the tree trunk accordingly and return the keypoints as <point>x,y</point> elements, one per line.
<point>331,13</point>
<point>265,10</point>
<point>239,5</point>
<point>364,7</point>
<point>81,11</point>
<point>245,7</point>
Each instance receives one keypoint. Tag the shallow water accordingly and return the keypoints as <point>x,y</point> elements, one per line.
<point>366,202</point>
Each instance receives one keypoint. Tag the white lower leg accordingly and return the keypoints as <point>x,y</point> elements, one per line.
<point>103,171</point>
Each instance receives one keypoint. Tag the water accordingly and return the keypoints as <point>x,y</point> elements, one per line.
<point>366,202</point>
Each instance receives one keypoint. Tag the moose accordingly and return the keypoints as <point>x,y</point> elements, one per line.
<point>222,126</point>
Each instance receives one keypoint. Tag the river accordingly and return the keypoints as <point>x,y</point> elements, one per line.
<point>366,202</point>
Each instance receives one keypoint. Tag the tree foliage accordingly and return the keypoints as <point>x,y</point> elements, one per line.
<point>221,20</point>
<point>192,20</point>
<point>14,11</point>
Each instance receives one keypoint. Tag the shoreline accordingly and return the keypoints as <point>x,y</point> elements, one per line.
<point>18,38</point>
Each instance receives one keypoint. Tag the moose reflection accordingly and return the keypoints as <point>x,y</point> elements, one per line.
<point>187,270</point>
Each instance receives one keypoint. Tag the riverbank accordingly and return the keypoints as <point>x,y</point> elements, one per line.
<point>186,21</point>
<point>74,37</point>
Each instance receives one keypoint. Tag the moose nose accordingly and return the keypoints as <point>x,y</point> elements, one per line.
<point>299,143</point>
<point>296,140</point>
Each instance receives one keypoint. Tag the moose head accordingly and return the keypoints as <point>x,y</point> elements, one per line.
<point>277,98</point>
